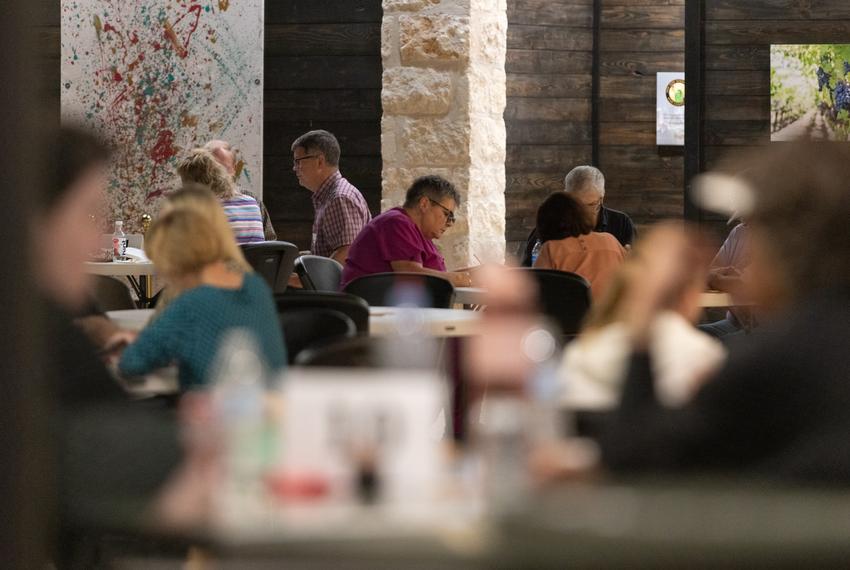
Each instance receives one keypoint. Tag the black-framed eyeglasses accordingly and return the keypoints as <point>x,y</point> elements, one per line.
<point>297,161</point>
<point>450,216</point>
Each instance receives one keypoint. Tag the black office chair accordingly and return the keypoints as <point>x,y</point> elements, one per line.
<point>379,289</point>
<point>272,260</point>
<point>111,295</point>
<point>319,273</point>
<point>564,296</point>
<point>311,327</point>
<point>353,307</point>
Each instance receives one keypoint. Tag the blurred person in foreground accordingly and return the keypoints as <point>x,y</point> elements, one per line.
<point>594,365</point>
<point>194,250</point>
<point>243,212</point>
<point>225,155</point>
<point>401,239</point>
<point>778,407</point>
<point>587,185</point>
<point>113,455</point>
<point>565,228</point>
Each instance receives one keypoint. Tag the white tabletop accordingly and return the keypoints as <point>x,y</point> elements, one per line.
<point>120,268</point>
<point>383,321</point>
<point>476,296</point>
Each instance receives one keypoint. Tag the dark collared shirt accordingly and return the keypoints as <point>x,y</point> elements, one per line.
<point>614,222</point>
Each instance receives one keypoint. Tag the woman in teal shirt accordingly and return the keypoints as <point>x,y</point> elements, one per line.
<point>195,254</point>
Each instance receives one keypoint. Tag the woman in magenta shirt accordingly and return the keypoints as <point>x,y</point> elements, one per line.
<point>400,238</point>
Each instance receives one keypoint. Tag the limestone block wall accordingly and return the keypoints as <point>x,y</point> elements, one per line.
<point>443,98</point>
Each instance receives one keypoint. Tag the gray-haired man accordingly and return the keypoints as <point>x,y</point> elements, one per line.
<point>587,185</point>
<point>341,210</point>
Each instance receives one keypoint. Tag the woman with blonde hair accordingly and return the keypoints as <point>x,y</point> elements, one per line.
<point>194,250</point>
<point>199,198</point>
<point>243,212</point>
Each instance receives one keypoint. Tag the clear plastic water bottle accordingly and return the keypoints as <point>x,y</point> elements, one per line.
<point>238,392</point>
<point>409,346</point>
<point>535,251</point>
<point>119,241</point>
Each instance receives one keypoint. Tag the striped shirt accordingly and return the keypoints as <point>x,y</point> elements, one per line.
<point>341,212</point>
<point>244,217</point>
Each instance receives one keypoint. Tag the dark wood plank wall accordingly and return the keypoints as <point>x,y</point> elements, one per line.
<point>737,62</point>
<point>323,70</point>
<point>639,38</point>
<point>548,116</point>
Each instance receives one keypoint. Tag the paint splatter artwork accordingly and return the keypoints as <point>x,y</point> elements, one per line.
<point>160,77</point>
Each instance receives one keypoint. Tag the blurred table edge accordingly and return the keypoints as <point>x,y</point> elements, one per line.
<point>120,268</point>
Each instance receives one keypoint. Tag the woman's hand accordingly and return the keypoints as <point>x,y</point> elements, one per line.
<point>116,342</point>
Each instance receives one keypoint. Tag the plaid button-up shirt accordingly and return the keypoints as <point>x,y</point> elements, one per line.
<point>341,212</point>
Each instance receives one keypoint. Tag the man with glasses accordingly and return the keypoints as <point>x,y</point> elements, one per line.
<point>340,209</point>
<point>400,239</point>
<point>587,185</point>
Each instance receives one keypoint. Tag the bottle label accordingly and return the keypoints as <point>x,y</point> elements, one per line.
<point>119,246</point>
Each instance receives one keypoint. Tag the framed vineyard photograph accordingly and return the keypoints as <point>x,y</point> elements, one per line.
<point>809,92</point>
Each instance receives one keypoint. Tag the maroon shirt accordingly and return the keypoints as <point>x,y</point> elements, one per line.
<point>392,236</point>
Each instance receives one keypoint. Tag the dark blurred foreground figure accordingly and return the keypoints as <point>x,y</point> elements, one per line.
<point>113,454</point>
<point>779,407</point>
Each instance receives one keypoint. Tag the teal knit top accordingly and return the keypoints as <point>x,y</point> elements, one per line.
<point>190,329</point>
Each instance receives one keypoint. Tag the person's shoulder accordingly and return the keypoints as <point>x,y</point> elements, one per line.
<point>618,215</point>
<point>393,220</point>
<point>254,281</point>
<point>348,198</point>
<point>240,199</point>
<point>347,190</point>
<point>248,194</point>
<point>605,240</point>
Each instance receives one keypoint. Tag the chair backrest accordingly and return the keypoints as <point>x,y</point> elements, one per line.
<point>319,273</point>
<point>564,296</point>
<point>272,260</point>
<point>111,294</point>
<point>379,289</point>
<point>360,352</point>
<point>354,307</point>
<point>312,327</point>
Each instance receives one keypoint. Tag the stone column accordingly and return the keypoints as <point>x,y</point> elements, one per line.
<point>443,102</point>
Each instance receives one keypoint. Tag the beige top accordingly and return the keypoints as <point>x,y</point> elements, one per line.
<point>595,256</point>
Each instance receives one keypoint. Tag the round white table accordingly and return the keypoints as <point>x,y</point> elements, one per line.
<point>476,296</point>
<point>383,321</point>
<point>120,268</point>
<point>386,321</point>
